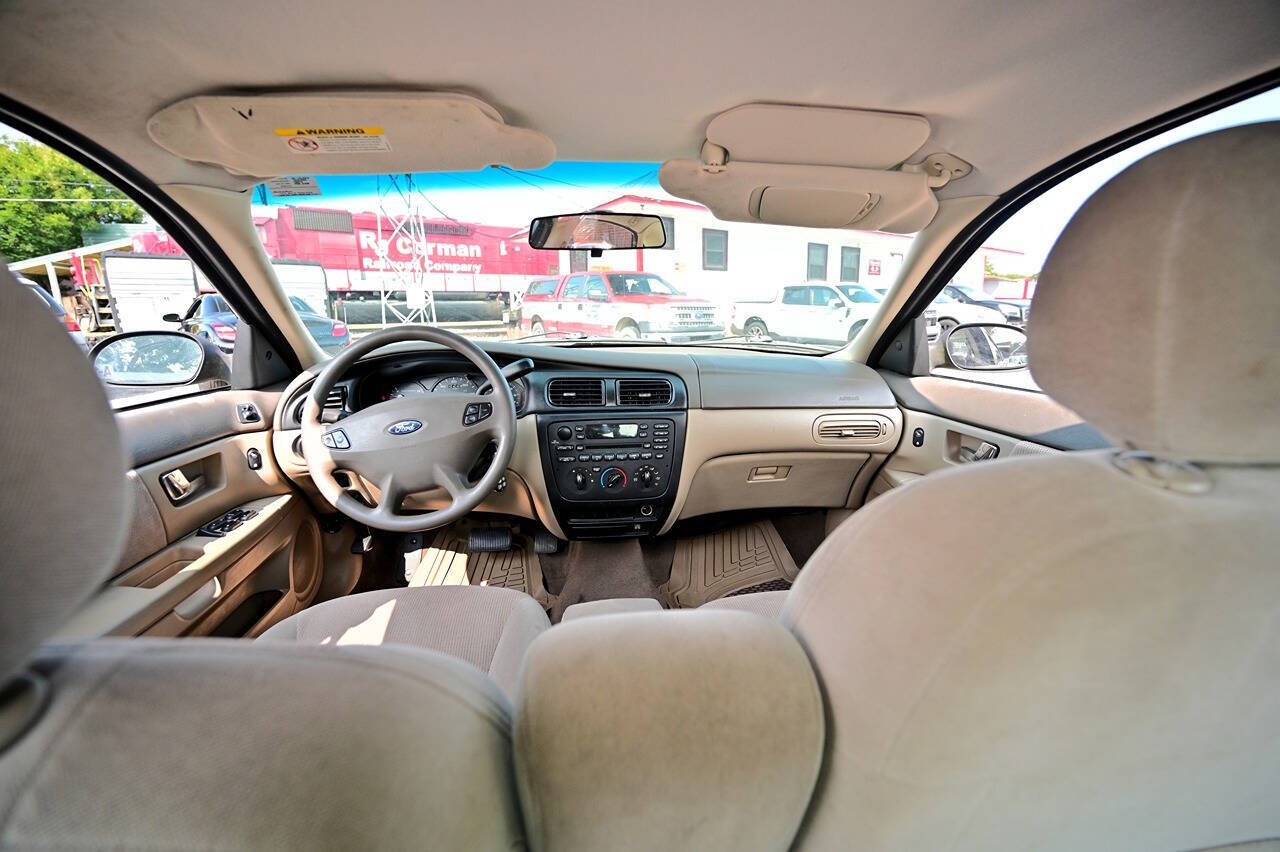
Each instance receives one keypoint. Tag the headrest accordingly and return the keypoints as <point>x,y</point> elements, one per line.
<point>1157,315</point>
<point>62,495</point>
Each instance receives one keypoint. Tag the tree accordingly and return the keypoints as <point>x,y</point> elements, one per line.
<point>46,200</point>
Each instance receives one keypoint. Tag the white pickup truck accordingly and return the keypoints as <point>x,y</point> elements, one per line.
<point>813,312</point>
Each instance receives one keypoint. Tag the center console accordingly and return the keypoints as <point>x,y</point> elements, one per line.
<point>611,474</point>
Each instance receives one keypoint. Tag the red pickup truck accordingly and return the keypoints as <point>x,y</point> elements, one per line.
<point>636,305</point>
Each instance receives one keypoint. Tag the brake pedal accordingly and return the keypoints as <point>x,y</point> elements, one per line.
<point>545,542</point>
<point>489,539</point>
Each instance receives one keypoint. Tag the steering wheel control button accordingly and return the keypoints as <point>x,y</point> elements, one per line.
<point>336,440</point>
<point>475,412</point>
<point>404,427</point>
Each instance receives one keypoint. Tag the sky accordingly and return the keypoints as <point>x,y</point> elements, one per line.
<point>493,196</point>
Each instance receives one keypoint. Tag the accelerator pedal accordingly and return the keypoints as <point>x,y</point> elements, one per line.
<point>489,539</point>
<point>545,542</point>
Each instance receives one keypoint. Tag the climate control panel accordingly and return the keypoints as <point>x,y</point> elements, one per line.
<point>616,472</point>
<point>596,460</point>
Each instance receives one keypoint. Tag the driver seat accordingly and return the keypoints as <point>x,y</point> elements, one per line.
<point>205,743</point>
<point>486,626</point>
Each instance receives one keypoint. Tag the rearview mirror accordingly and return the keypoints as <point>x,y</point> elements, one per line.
<point>986,347</point>
<point>598,230</point>
<point>149,358</point>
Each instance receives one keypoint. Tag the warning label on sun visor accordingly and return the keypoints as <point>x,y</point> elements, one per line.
<point>334,140</point>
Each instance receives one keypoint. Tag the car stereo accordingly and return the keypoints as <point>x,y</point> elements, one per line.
<point>612,476</point>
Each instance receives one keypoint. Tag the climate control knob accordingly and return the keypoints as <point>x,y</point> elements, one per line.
<point>581,478</point>
<point>647,476</point>
<point>613,478</point>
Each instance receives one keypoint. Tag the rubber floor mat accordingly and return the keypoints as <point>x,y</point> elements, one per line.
<point>448,562</point>
<point>717,564</point>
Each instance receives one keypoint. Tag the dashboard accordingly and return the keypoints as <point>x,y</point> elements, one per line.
<point>625,441</point>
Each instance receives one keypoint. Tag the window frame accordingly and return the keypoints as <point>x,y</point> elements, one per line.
<point>203,250</point>
<point>725,250</point>
<point>808,257</point>
<point>857,263</point>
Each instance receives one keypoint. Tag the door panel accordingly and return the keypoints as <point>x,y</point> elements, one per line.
<point>940,431</point>
<point>177,577</point>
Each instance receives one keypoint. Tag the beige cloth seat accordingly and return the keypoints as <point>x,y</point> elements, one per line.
<point>1104,673</point>
<point>768,604</point>
<point>203,744</point>
<point>488,627</point>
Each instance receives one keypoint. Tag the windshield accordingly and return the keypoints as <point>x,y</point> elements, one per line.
<point>371,251</point>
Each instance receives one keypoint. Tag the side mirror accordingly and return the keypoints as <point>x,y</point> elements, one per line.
<point>171,318</point>
<point>985,347</point>
<point>834,303</point>
<point>153,358</point>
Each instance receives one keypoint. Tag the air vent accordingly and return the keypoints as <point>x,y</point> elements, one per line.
<point>845,429</point>
<point>651,393</point>
<point>335,401</point>
<point>575,393</point>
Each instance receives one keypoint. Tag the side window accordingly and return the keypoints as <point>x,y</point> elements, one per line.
<point>795,296</point>
<point>817,268</point>
<point>822,296</point>
<point>542,288</point>
<point>120,285</point>
<point>850,257</point>
<point>996,286</point>
<point>595,288</point>
<point>715,249</point>
<point>575,288</point>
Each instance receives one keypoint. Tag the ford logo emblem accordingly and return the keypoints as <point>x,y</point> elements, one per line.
<point>404,427</point>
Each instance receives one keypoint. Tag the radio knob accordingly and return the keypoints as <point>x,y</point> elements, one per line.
<point>613,478</point>
<point>564,433</point>
<point>581,479</point>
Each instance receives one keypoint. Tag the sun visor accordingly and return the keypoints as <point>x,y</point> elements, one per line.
<point>818,136</point>
<point>271,135</point>
<point>809,196</point>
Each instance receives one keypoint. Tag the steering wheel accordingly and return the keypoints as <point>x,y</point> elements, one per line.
<point>410,444</point>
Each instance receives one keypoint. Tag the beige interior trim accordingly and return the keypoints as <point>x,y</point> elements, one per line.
<point>150,591</point>
<point>226,215</point>
<point>228,482</point>
<point>943,440</point>
<point>719,433</point>
<point>386,131</point>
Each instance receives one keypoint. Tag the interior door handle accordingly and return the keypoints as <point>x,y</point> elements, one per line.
<point>986,450</point>
<point>178,487</point>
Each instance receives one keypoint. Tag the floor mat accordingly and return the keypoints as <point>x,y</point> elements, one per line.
<point>448,562</point>
<point>721,563</point>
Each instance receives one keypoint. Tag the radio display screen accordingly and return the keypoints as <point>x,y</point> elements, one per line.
<point>597,431</point>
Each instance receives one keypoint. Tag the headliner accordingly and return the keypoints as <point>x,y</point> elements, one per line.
<point>1009,85</point>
